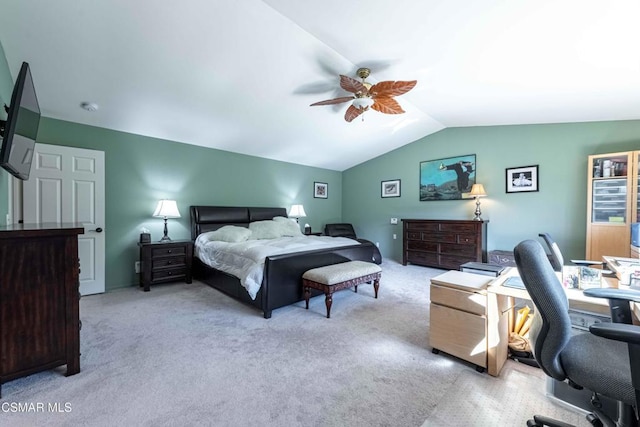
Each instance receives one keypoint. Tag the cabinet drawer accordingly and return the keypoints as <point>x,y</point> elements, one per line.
<point>167,251</point>
<point>168,262</point>
<point>440,237</point>
<point>169,274</point>
<point>453,262</point>
<point>415,245</point>
<point>462,250</point>
<point>423,226</point>
<point>472,302</point>
<point>466,239</point>
<point>458,333</point>
<point>458,227</point>
<point>430,258</point>
<point>414,235</point>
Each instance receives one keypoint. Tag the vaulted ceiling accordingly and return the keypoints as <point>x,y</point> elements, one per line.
<point>240,75</point>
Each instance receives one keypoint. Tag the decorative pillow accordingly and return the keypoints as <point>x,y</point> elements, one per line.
<point>288,227</point>
<point>229,233</point>
<point>265,229</point>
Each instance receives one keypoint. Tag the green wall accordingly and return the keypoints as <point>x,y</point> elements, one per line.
<point>140,171</point>
<point>560,150</point>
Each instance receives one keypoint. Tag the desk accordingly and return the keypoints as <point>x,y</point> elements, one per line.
<point>499,320</point>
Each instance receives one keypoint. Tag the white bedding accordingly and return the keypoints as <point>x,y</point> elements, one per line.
<point>245,260</point>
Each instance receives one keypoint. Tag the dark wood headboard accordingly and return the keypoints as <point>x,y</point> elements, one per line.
<point>210,218</point>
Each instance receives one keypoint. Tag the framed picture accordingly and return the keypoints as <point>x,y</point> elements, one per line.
<point>447,179</point>
<point>522,179</point>
<point>390,188</point>
<point>320,190</point>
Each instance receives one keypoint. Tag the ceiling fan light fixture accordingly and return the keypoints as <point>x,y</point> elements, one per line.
<point>362,103</point>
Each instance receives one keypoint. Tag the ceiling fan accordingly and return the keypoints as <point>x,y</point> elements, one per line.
<point>378,97</point>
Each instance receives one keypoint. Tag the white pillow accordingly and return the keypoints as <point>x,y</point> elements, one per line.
<point>288,227</point>
<point>229,233</point>
<point>265,229</point>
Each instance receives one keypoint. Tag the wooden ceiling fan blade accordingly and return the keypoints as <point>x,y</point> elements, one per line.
<point>351,85</point>
<point>387,106</point>
<point>352,113</point>
<point>333,101</point>
<point>390,88</point>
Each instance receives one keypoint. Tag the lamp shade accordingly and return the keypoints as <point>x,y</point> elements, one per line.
<point>167,209</point>
<point>297,211</point>
<point>477,190</point>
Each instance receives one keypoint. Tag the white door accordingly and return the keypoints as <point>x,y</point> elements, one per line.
<point>66,185</point>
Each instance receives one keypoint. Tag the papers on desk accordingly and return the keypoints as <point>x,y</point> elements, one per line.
<point>514,282</point>
<point>580,277</point>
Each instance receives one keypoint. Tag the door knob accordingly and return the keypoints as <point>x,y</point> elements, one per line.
<point>98,230</point>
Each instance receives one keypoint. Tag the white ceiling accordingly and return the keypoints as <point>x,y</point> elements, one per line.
<point>239,75</point>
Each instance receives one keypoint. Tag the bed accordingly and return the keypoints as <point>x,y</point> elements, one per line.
<point>282,275</point>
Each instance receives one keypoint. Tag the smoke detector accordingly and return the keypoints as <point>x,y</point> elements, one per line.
<point>89,106</point>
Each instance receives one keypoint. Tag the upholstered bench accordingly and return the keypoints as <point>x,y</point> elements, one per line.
<point>332,278</point>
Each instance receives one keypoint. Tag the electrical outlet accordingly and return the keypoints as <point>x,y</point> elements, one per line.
<point>395,236</point>
<point>137,266</point>
<point>377,244</point>
<point>394,221</point>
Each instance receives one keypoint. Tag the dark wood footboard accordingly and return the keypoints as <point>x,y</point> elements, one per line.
<point>282,281</point>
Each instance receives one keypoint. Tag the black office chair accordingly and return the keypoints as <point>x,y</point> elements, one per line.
<point>556,258</point>
<point>597,361</point>
<point>346,230</point>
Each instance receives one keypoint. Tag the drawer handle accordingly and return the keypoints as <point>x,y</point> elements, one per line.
<point>169,262</point>
<point>168,251</point>
<point>170,273</point>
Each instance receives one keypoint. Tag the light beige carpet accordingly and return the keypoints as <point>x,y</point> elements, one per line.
<point>189,355</point>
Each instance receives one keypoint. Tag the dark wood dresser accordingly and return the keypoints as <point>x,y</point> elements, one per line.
<point>39,299</point>
<point>165,262</point>
<point>443,243</point>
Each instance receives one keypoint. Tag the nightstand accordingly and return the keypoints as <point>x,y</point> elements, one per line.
<point>165,262</point>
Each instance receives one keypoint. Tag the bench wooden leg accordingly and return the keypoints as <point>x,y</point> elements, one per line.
<point>356,289</point>
<point>307,294</point>
<point>328,300</point>
<point>376,285</point>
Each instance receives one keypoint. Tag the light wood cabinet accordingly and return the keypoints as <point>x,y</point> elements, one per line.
<point>612,203</point>
<point>458,316</point>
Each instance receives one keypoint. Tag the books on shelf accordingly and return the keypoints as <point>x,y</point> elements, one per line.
<point>493,270</point>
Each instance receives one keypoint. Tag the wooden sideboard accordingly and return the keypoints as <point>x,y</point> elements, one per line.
<point>39,299</point>
<point>443,243</point>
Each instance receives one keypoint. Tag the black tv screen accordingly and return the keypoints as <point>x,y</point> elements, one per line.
<point>21,127</point>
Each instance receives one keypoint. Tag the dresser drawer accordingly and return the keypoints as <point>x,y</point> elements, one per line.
<point>415,245</point>
<point>453,262</point>
<point>427,258</point>
<point>423,226</point>
<point>174,261</point>
<point>168,251</point>
<point>169,274</point>
<point>459,227</point>
<point>458,333</point>
<point>440,237</point>
<point>472,302</point>
<point>467,239</point>
<point>461,250</point>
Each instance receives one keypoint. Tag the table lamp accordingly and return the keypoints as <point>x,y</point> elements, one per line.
<point>166,209</point>
<point>477,191</point>
<point>297,212</point>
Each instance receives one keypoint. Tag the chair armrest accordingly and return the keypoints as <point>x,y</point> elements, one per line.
<point>613,293</point>
<point>617,331</point>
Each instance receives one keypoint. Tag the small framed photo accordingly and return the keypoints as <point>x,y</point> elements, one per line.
<point>390,188</point>
<point>320,190</point>
<point>522,179</point>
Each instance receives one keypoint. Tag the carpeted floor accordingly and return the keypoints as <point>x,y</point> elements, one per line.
<point>188,355</point>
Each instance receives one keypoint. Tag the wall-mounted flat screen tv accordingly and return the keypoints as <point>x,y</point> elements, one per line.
<point>21,128</point>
